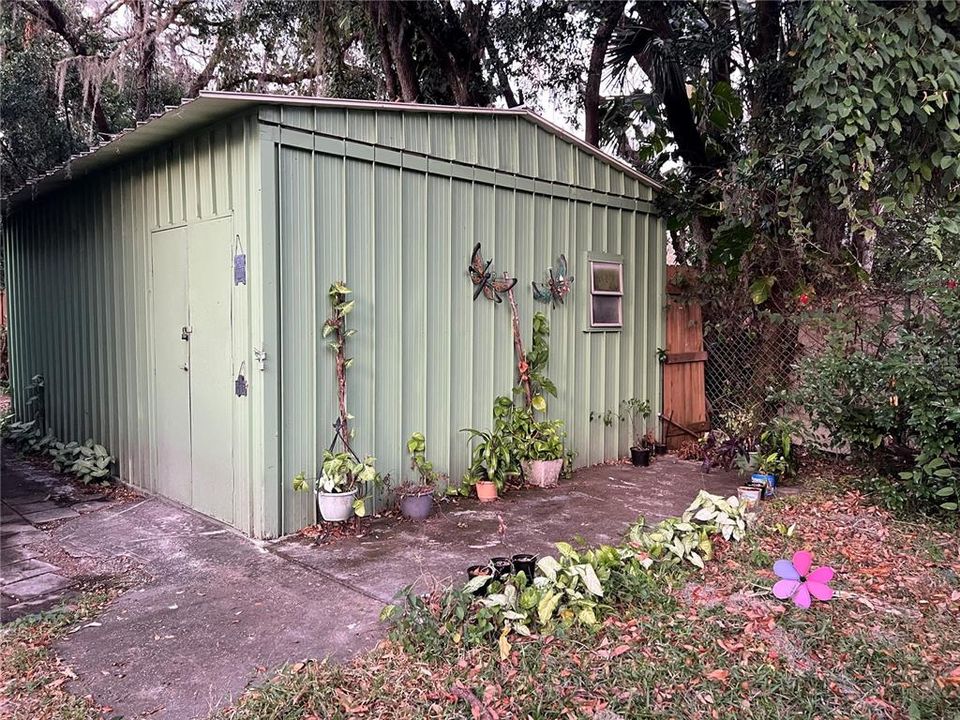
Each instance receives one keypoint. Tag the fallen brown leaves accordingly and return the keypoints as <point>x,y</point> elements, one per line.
<point>33,680</point>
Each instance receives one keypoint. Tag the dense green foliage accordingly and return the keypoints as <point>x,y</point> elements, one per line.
<point>888,386</point>
<point>579,587</point>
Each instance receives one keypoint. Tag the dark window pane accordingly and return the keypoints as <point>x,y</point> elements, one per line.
<point>606,277</point>
<point>606,310</point>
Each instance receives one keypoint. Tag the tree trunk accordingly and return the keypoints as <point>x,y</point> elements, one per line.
<point>148,60</point>
<point>612,13</point>
<point>457,42</point>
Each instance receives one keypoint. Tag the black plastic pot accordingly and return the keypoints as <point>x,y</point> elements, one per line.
<point>661,448</point>
<point>502,566</point>
<point>477,570</point>
<point>525,563</point>
<point>640,457</point>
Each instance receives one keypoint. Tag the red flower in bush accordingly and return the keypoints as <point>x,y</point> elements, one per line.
<point>804,299</point>
<point>952,284</point>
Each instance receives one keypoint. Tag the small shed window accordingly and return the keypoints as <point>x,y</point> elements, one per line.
<point>606,294</point>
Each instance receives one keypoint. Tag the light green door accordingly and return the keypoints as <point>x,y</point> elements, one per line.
<point>211,368</point>
<point>171,363</point>
<point>193,336</point>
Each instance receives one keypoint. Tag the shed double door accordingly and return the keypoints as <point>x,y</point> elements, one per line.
<point>192,334</point>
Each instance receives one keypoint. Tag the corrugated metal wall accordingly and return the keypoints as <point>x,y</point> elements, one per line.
<point>399,228</point>
<point>79,269</point>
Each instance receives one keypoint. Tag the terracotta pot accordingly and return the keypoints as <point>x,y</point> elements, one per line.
<point>486,491</point>
<point>542,473</point>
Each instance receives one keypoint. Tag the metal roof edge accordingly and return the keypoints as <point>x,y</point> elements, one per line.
<point>120,141</point>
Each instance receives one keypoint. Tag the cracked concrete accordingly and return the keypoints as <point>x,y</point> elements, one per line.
<point>218,611</point>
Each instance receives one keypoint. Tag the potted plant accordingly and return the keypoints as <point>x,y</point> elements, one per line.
<point>342,476</point>
<point>769,467</point>
<point>490,462</point>
<point>543,453</point>
<point>416,499</point>
<point>638,411</point>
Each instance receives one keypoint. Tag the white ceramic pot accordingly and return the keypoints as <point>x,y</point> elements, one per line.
<point>542,473</point>
<point>336,506</point>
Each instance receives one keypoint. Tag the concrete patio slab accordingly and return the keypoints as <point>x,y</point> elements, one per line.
<point>219,611</point>
<point>216,610</point>
<point>34,506</point>
<point>51,515</point>
<point>22,537</point>
<point>15,572</point>
<point>37,586</point>
<point>596,506</point>
<point>25,498</point>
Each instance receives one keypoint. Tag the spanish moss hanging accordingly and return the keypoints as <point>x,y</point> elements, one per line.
<point>557,284</point>
<point>484,279</point>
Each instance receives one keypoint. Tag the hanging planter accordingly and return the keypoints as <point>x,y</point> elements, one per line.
<point>336,506</point>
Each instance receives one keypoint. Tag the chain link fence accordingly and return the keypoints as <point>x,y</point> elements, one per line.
<point>751,367</point>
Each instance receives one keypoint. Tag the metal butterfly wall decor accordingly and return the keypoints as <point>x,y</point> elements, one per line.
<point>485,281</point>
<point>556,286</point>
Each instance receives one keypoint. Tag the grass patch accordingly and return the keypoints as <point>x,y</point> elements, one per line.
<point>33,678</point>
<point>689,644</point>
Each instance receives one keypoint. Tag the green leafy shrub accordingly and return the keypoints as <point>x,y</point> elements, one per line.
<point>889,389</point>
<point>89,461</point>
<point>537,359</point>
<point>429,478</point>
<point>342,472</point>
<point>579,587</point>
<point>491,460</point>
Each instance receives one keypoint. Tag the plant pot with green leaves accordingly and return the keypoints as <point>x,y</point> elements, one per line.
<point>416,498</point>
<point>770,466</point>
<point>342,480</point>
<point>490,461</point>
<point>637,411</point>
<point>544,453</point>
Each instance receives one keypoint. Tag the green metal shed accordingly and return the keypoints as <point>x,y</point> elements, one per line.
<point>116,258</point>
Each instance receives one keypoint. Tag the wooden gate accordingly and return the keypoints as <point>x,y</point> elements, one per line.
<point>684,394</point>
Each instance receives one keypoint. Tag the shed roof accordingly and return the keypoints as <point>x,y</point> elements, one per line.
<point>210,106</point>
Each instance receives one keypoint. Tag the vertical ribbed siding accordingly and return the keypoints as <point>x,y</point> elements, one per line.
<point>427,357</point>
<point>79,272</point>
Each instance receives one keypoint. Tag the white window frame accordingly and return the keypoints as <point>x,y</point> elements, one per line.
<point>618,262</point>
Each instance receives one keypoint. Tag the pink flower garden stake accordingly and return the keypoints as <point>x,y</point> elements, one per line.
<point>799,582</point>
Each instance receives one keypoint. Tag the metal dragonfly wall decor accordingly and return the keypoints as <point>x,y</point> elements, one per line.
<point>484,279</point>
<point>557,284</point>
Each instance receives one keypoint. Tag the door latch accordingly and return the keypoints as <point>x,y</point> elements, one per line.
<point>185,333</point>
<point>261,357</point>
